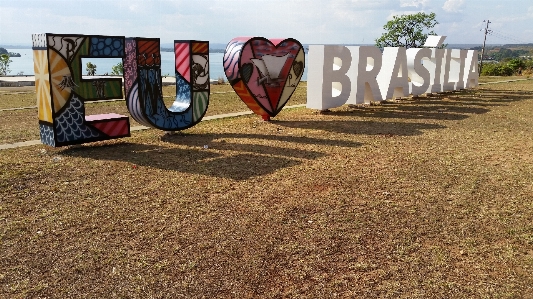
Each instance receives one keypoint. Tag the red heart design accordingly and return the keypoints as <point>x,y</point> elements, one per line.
<point>264,73</point>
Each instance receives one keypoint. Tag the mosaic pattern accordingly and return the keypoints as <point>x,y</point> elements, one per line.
<point>143,86</point>
<point>47,134</point>
<point>67,46</point>
<point>38,40</point>
<point>90,89</point>
<point>231,59</point>
<point>201,99</point>
<point>61,89</point>
<point>70,124</point>
<point>264,73</point>
<point>134,106</point>
<point>183,89</point>
<point>102,46</point>
<point>59,70</point>
<point>42,85</point>
<point>130,74</point>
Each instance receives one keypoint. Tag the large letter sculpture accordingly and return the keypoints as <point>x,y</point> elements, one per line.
<point>142,83</point>
<point>337,72</point>
<point>61,89</point>
<point>264,73</point>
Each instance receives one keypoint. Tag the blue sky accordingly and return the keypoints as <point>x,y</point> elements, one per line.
<point>218,21</point>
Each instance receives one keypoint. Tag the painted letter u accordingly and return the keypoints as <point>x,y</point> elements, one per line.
<point>143,83</point>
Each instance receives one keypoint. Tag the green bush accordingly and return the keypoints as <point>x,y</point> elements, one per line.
<point>507,67</point>
<point>4,64</point>
<point>117,69</point>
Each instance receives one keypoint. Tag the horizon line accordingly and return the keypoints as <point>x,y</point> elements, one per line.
<point>29,45</point>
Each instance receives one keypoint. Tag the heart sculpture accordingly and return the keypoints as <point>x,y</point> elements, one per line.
<point>264,72</point>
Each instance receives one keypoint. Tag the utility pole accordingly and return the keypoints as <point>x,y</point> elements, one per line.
<point>483,49</point>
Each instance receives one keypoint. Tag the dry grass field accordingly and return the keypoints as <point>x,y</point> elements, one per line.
<point>420,198</point>
<point>20,124</point>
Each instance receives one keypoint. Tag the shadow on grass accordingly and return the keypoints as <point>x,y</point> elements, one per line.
<point>237,160</point>
<point>504,96</point>
<point>362,127</point>
<point>233,160</point>
<point>404,112</point>
<point>456,106</point>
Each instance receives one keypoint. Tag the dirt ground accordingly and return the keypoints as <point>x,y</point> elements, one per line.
<point>420,198</point>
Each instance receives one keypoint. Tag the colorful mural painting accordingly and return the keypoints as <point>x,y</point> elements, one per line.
<point>62,90</point>
<point>264,72</point>
<point>143,83</point>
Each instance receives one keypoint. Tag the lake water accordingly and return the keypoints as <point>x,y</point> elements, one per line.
<point>24,65</point>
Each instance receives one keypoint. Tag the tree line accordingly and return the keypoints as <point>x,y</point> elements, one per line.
<point>508,60</point>
<point>10,54</point>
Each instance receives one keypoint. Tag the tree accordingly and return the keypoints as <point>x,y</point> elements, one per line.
<point>11,54</point>
<point>407,30</point>
<point>91,69</point>
<point>497,69</point>
<point>117,69</point>
<point>4,64</point>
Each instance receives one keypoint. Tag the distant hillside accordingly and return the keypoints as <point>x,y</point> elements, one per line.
<point>16,46</point>
<point>530,45</point>
<point>11,54</point>
<point>509,51</point>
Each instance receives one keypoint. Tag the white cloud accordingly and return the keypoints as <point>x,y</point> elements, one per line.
<point>321,21</point>
<point>369,4</point>
<point>415,3</point>
<point>401,13</point>
<point>453,5</point>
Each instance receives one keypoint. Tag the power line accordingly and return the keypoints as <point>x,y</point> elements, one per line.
<point>484,42</point>
<point>506,36</point>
